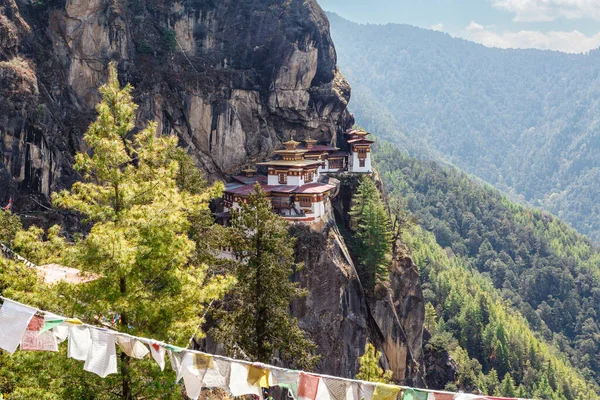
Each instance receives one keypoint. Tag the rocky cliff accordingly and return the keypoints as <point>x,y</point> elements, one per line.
<point>341,316</point>
<point>230,78</point>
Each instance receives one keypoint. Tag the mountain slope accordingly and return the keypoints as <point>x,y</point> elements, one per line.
<point>528,262</point>
<point>527,121</point>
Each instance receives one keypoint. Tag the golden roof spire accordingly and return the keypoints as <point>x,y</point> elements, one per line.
<point>291,144</point>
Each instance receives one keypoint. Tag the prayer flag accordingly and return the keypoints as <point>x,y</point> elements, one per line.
<point>49,325</point>
<point>218,375</point>
<point>132,347</point>
<point>258,376</point>
<point>158,353</point>
<point>308,385</point>
<point>338,389</point>
<point>79,342</point>
<point>175,359</point>
<point>193,368</point>
<point>102,357</point>
<point>365,391</point>
<point>238,382</point>
<point>14,318</point>
<point>413,394</point>
<point>441,396</point>
<point>36,340</point>
<point>287,380</point>
<point>385,392</point>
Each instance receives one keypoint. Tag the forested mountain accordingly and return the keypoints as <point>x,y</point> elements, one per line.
<point>527,121</point>
<point>515,287</point>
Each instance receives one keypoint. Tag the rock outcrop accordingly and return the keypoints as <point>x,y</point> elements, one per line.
<point>230,78</point>
<point>340,316</point>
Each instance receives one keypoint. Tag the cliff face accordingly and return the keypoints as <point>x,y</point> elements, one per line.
<point>231,78</point>
<point>339,314</point>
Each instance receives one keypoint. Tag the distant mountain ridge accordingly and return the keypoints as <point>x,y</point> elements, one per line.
<point>527,121</point>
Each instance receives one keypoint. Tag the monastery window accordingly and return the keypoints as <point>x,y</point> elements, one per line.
<point>305,202</point>
<point>335,163</point>
<point>361,162</point>
<point>308,176</point>
<point>282,178</point>
<point>362,154</point>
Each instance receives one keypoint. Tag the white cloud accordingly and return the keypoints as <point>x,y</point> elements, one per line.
<point>550,10</point>
<point>437,27</point>
<point>568,42</point>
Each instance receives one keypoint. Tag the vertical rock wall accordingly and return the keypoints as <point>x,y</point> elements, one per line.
<point>230,78</point>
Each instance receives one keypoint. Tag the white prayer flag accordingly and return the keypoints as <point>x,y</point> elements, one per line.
<point>365,390</point>
<point>175,359</point>
<point>102,357</point>
<point>218,376</point>
<point>132,347</point>
<point>238,382</point>
<point>61,332</point>
<point>14,318</point>
<point>193,369</point>
<point>79,342</point>
<point>158,353</point>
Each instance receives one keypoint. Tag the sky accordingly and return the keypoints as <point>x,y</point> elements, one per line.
<point>571,26</point>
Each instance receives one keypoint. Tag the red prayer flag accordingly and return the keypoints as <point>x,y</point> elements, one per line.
<point>33,340</point>
<point>443,396</point>
<point>308,385</point>
<point>9,206</point>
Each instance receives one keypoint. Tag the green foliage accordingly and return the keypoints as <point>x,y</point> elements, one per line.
<point>145,48</point>
<point>9,226</point>
<point>256,317</point>
<point>140,248</point>
<point>372,236</point>
<point>369,366</point>
<point>523,120</point>
<point>512,285</point>
<point>170,39</point>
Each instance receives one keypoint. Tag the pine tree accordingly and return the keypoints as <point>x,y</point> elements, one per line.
<point>507,387</point>
<point>369,366</point>
<point>139,241</point>
<point>372,233</point>
<point>256,320</point>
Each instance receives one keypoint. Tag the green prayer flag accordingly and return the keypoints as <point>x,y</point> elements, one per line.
<point>174,348</point>
<point>412,394</point>
<point>51,324</point>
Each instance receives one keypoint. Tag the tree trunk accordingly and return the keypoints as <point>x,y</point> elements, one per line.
<point>125,359</point>
<point>260,313</point>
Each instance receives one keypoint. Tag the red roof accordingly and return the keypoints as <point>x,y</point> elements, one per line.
<point>358,132</point>
<point>318,148</point>
<point>361,140</point>
<point>338,154</point>
<point>311,188</point>
<point>314,188</point>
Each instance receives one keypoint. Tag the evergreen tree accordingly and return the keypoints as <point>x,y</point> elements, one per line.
<point>256,319</point>
<point>369,366</point>
<point>507,387</point>
<point>372,233</point>
<point>139,242</point>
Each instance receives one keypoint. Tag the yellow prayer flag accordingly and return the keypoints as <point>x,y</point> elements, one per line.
<point>74,321</point>
<point>258,375</point>
<point>202,362</point>
<point>386,392</point>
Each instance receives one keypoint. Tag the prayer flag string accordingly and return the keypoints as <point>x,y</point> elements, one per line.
<point>21,325</point>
